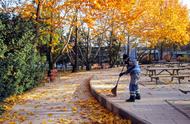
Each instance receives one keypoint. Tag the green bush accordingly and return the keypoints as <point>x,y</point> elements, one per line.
<point>21,65</point>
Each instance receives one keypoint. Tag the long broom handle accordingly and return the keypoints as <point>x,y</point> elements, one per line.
<point>120,76</point>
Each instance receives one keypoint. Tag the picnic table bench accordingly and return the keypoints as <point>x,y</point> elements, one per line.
<point>157,78</point>
<point>179,77</point>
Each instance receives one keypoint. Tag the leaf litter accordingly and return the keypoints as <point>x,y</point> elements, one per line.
<point>65,101</point>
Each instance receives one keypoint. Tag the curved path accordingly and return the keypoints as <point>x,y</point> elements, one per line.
<point>65,101</point>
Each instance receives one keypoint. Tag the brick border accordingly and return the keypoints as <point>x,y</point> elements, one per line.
<point>115,109</point>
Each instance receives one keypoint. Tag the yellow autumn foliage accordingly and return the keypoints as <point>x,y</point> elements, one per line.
<point>151,20</point>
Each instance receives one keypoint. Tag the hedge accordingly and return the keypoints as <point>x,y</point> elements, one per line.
<point>21,65</point>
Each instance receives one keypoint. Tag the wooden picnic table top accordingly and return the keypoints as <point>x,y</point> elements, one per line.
<point>172,62</point>
<point>166,68</point>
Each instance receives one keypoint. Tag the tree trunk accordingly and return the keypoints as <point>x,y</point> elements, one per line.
<point>150,56</point>
<point>155,58</point>
<point>161,51</point>
<point>88,64</point>
<point>49,58</point>
<point>110,49</point>
<point>37,20</point>
<point>76,66</point>
<point>128,45</point>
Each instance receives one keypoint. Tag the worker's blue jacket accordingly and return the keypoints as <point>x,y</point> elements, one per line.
<point>132,63</point>
<point>133,67</point>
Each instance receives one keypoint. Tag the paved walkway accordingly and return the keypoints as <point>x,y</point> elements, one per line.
<point>65,101</point>
<point>160,104</point>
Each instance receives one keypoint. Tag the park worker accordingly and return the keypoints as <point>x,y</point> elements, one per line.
<point>134,70</point>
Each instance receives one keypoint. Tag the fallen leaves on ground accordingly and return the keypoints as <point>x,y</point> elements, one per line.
<point>104,91</point>
<point>66,102</point>
<point>97,114</point>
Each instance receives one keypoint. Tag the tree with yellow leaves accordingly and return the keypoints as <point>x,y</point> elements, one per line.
<point>166,21</point>
<point>152,21</point>
<point>48,14</point>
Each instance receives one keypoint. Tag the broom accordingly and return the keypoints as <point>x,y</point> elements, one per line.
<point>114,90</point>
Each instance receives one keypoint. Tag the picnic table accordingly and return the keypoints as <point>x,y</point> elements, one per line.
<point>169,64</point>
<point>171,71</point>
<point>155,73</point>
